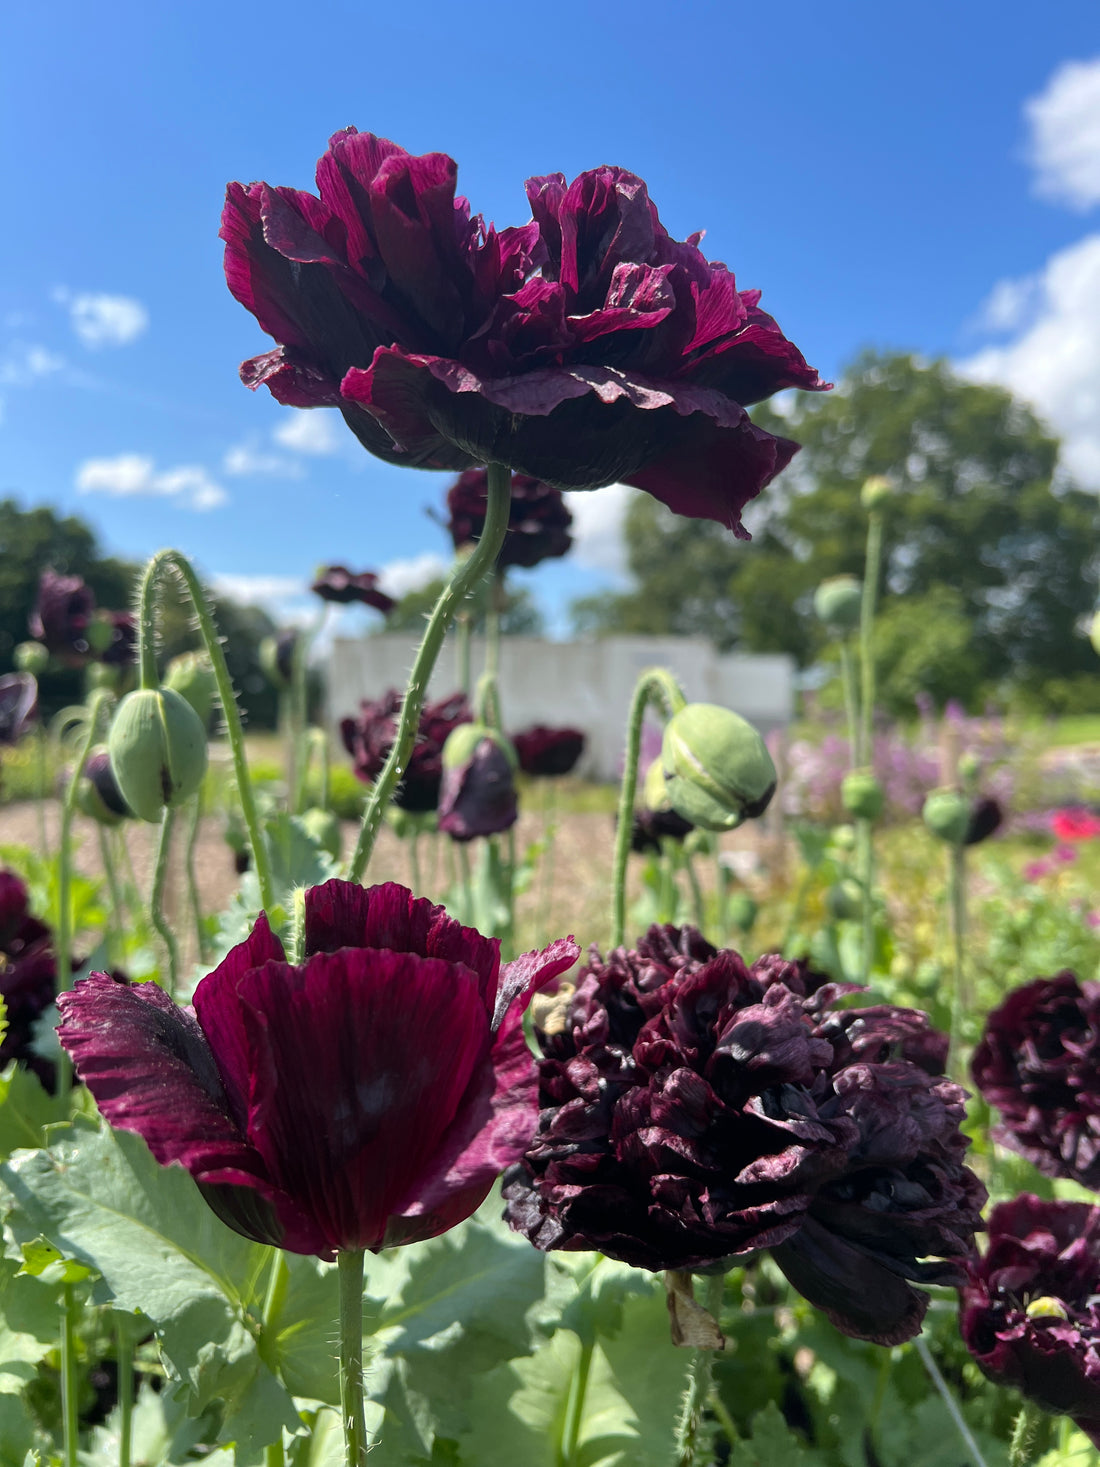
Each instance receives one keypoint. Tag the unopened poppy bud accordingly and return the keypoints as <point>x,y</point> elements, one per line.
<point>1094,633</point>
<point>99,635</point>
<point>876,491</point>
<point>742,910</point>
<point>844,900</point>
<point>837,602</point>
<point>946,813</point>
<point>324,827</point>
<point>717,767</point>
<point>277,657</point>
<point>97,793</point>
<point>192,677</point>
<point>158,750</point>
<point>861,794</point>
<point>969,767</point>
<point>477,795</point>
<point>31,657</point>
<point>843,837</point>
<point>654,788</point>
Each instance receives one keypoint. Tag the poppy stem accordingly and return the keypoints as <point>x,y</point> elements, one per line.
<point>194,899</point>
<point>124,1359</point>
<point>700,1380</point>
<point>70,1425</point>
<point>956,891</point>
<point>851,699</point>
<point>466,575</point>
<point>871,573</point>
<point>350,1265</point>
<point>949,1401</point>
<point>656,685</point>
<point>156,900</point>
<point>173,560</point>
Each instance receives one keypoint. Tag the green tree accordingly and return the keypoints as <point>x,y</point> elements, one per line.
<point>520,617</point>
<point>979,509</point>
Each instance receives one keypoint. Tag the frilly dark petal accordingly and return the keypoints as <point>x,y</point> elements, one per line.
<point>62,615</point>
<point>538,520</point>
<point>336,583</point>
<point>547,752</point>
<point>478,798</point>
<point>18,705</point>
<point>369,738</point>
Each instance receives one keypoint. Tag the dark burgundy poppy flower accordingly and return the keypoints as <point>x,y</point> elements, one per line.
<point>583,348</point>
<point>547,752</point>
<point>986,817</point>
<point>538,521</point>
<point>477,796</point>
<point>366,1097</point>
<point>695,1108</point>
<point>337,583</point>
<point>650,827</point>
<point>99,795</point>
<point>369,738</point>
<point>28,974</point>
<point>121,648</point>
<point>62,615</point>
<point>18,705</point>
<point>1030,1308</point>
<point>1038,1063</point>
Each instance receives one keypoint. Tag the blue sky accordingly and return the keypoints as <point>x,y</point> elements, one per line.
<point>920,177</point>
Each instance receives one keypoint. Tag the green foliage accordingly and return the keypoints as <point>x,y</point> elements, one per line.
<point>519,617</point>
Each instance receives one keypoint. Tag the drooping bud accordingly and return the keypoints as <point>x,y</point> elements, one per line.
<point>861,795</point>
<point>837,602</point>
<point>324,827</point>
<point>876,491</point>
<point>654,788</point>
<point>477,795</point>
<point>1094,633</point>
<point>277,657</point>
<point>946,813</point>
<point>158,751</point>
<point>192,677</point>
<point>716,766</point>
<point>97,793</point>
<point>31,657</point>
<point>844,900</point>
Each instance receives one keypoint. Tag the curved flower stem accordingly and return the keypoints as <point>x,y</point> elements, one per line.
<point>156,899</point>
<point>462,650</point>
<point>700,1382</point>
<point>656,685</point>
<point>466,575</point>
<point>350,1264</point>
<point>124,1358</point>
<point>192,876</point>
<point>872,570</point>
<point>173,560</point>
<point>1024,1447</point>
<point>717,1406</point>
<point>949,1401</point>
<point>115,925</point>
<point>70,1426</point>
<point>571,1440</point>
<point>851,699</point>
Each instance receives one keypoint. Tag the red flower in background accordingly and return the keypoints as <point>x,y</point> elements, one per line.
<point>1075,824</point>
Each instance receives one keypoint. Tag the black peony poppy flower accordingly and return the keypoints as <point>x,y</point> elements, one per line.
<point>1038,1063</point>
<point>585,347</point>
<point>649,827</point>
<point>538,520</point>
<point>121,643</point>
<point>365,1097</point>
<point>1030,1307</point>
<point>28,974</point>
<point>695,1108</point>
<point>477,796</point>
<point>62,615</point>
<point>18,705</point>
<point>547,752</point>
<point>337,583</point>
<point>986,818</point>
<point>369,738</point>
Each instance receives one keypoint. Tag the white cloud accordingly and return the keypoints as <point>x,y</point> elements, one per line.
<point>253,589</point>
<point>247,459</point>
<point>309,430</point>
<point>132,475</point>
<point>24,364</point>
<point>1054,361</point>
<point>1009,304</point>
<point>598,516</point>
<point>1065,135</point>
<point>398,577</point>
<point>104,320</point>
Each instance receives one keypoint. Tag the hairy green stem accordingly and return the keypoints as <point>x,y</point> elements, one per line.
<point>569,1455</point>
<point>172,560</point>
<point>350,1265</point>
<point>278,1282</point>
<point>462,649</point>
<point>156,899</point>
<point>956,889</point>
<point>193,898</point>
<point>872,571</point>
<point>851,699</point>
<point>70,1426</point>
<point>700,1382</point>
<point>465,576</point>
<point>124,1359</point>
<point>949,1401</point>
<point>115,923</point>
<point>656,685</point>
<point>866,852</point>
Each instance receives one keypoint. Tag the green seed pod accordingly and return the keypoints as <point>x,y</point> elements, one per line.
<point>654,789</point>
<point>844,901</point>
<point>742,911</point>
<point>946,813</point>
<point>876,491</point>
<point>324,827</point>
<point>31,657</point>
<point>969,767</point>
<point>717,767</point>
<point>843,837</point>
<point>861,795</point>
<point>191,676</point>
<point>158,751</point>
<point>837,602</point>
<point>463,740</point>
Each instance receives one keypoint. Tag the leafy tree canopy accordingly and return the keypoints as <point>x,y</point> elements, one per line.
<point>519,617</point>
<point>982,534</point>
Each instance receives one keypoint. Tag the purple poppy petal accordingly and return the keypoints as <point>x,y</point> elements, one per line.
<point>530,973</point>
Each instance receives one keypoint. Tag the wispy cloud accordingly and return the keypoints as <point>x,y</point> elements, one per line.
<point>1064,146</point>
<point>1010,304</point>
<point>598,516</point>
<point>103,320</point>
<point>23,364</point>
<point>133,475</point>
<point>398,577</point>
<point>261,588</point>
<point>247,459</point>
<point>309,430</point>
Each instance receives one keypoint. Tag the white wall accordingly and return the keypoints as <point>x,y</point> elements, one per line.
<point>587,685</point>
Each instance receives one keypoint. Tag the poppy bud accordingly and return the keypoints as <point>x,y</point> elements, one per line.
<point>1094,634</point>
<point>843,838</point>
<point>946,813</point>
<point>837,602</point>
<point>97,794</point>
<point>968,767</point>
<point>861,795</point>
<point>191,676</point>
<point>158,750</point>
<point>477,795</point>
<point>716,766</point>
<point>876,491</point>
<point>654,789</point>
<point>99,635</point>
<point>277,657</point>
<point>324,827</point>
<point>844,901</point>
<point>31,657</point>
